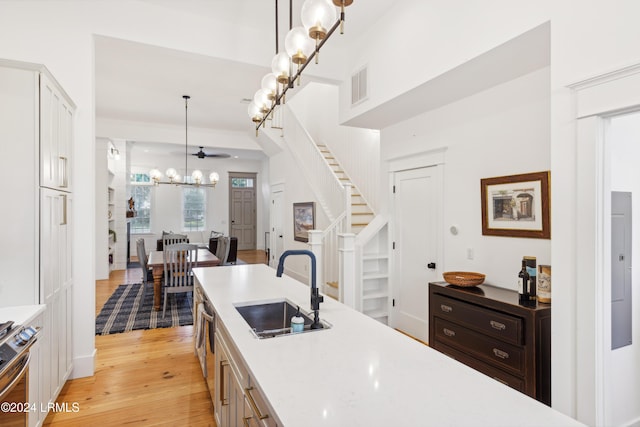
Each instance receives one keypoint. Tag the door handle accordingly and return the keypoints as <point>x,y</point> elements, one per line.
<point>280,236</point>
<point>431,265</point>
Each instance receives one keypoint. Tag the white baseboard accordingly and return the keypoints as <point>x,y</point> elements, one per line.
<point>84,366</point>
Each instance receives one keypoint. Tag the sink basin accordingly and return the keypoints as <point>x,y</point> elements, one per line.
<point>273,318</point>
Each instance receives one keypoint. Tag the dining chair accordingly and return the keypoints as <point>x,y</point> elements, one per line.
<point>171,239</point>
<point>143,259</point>
<point>222,251</point>
<point>179,259</point>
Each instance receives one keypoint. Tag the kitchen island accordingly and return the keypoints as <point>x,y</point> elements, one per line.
<point>358,372</point>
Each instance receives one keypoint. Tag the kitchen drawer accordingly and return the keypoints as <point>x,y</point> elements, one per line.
<point>499,325</point>
<point>495,373</point>
<point>235,360</point>
<point>256,411</point>
<point>490,350</point>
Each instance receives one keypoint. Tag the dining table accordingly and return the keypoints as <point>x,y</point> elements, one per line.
<point>156,264</point>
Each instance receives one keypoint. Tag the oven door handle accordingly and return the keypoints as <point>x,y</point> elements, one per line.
<point>25,365</point>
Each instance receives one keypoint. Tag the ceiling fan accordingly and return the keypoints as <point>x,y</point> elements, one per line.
<point>201,154</point>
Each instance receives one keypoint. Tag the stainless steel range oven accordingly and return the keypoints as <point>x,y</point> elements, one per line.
<point>15,342</point>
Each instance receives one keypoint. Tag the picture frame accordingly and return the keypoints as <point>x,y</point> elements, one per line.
<point>516,205</point>
<point>304,219</point>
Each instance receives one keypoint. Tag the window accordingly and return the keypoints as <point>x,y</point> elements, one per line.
<point>242,182</point>
<point>194,208</point>
<point>141,193</point>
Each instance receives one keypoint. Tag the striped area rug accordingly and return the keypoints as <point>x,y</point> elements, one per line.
<point>131,308</point>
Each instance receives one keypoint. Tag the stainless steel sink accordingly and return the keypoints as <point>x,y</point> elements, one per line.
<point>273,318</point>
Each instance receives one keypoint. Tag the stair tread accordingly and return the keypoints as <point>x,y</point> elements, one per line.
<point>333,284</point>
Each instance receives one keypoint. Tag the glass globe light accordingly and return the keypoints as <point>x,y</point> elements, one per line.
<point>214,178</point>
<point>171,174</point>
<point>298,45</point>
<point>261,98</point>
<point>254,112</point>
<point>155,175</point>
<point>270,84</point>
<point>280,67</point>
<point>317,17</point>
<point>196,175</point>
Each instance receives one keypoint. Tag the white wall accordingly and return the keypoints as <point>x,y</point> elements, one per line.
<point>285,170</point>
<point>357,150</point>
<point>419,40</point>
<point>588,38</point>
<point>502,131</point>
<point>624,369</point>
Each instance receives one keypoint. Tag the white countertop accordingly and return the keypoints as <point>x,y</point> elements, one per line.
<point>360,372</point>
<point>21,314</point>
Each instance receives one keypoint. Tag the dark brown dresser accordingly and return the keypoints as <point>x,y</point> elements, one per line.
<point>485,328</point>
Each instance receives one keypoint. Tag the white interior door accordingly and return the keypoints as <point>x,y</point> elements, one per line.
<point>277,232</point>
<point>417,200</point>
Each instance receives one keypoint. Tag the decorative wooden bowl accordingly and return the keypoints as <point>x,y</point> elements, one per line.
<point>463,278</point>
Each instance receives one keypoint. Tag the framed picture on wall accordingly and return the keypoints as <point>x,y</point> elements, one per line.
<point>516,205</point>
<point>304,219</point>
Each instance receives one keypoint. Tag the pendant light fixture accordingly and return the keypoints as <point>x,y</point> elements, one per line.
<point>172,173</point>
<point>302,44</point>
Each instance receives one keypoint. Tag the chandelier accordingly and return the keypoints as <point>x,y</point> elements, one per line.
<point>302,45</point>
<point>172,174</point>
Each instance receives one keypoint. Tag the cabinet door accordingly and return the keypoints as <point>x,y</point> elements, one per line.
<point>221,392</point>
<point>56,136</point>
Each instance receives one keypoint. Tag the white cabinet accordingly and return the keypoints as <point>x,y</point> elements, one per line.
<point>56,119</point>
<point>56,287</point>
<point>36,124</point>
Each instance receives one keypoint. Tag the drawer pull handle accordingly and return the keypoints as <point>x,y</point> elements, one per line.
<point>501,354</point>
<point>253,405</point>
<point>497,325</point>
<point>446,308</point>
<point>223,400</point>
<point>449,332</point>
<point>245,421</point>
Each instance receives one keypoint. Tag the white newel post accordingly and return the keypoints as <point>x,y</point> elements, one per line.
<point>315,246</point>
<point>348,190</point>
<point>347,268</point>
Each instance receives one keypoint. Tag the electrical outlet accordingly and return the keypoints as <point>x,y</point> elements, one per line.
<point>469,253</point>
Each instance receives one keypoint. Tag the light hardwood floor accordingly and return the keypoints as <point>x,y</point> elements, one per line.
<point>142,378</point>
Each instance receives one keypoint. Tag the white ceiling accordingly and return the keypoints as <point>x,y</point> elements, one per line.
<point>142,83</point>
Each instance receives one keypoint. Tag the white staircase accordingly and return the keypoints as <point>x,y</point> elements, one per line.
<point>361,212</point>
<point>363,273</point>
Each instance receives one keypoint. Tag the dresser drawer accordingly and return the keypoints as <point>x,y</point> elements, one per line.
<point>499,325</point>
<point>495,373</point>
<point>490,350</point>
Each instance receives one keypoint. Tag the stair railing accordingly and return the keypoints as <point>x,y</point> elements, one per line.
<point>326,187</point>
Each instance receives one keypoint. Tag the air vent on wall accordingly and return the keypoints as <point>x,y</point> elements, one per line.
<point>359,87</point>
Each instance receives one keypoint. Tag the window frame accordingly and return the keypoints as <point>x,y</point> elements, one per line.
<point>138,184</point>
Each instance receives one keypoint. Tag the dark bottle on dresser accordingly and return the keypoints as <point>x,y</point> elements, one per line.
<point>524,281</point>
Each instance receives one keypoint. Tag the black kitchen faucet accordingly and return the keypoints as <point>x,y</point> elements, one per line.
<point>316,298</point>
